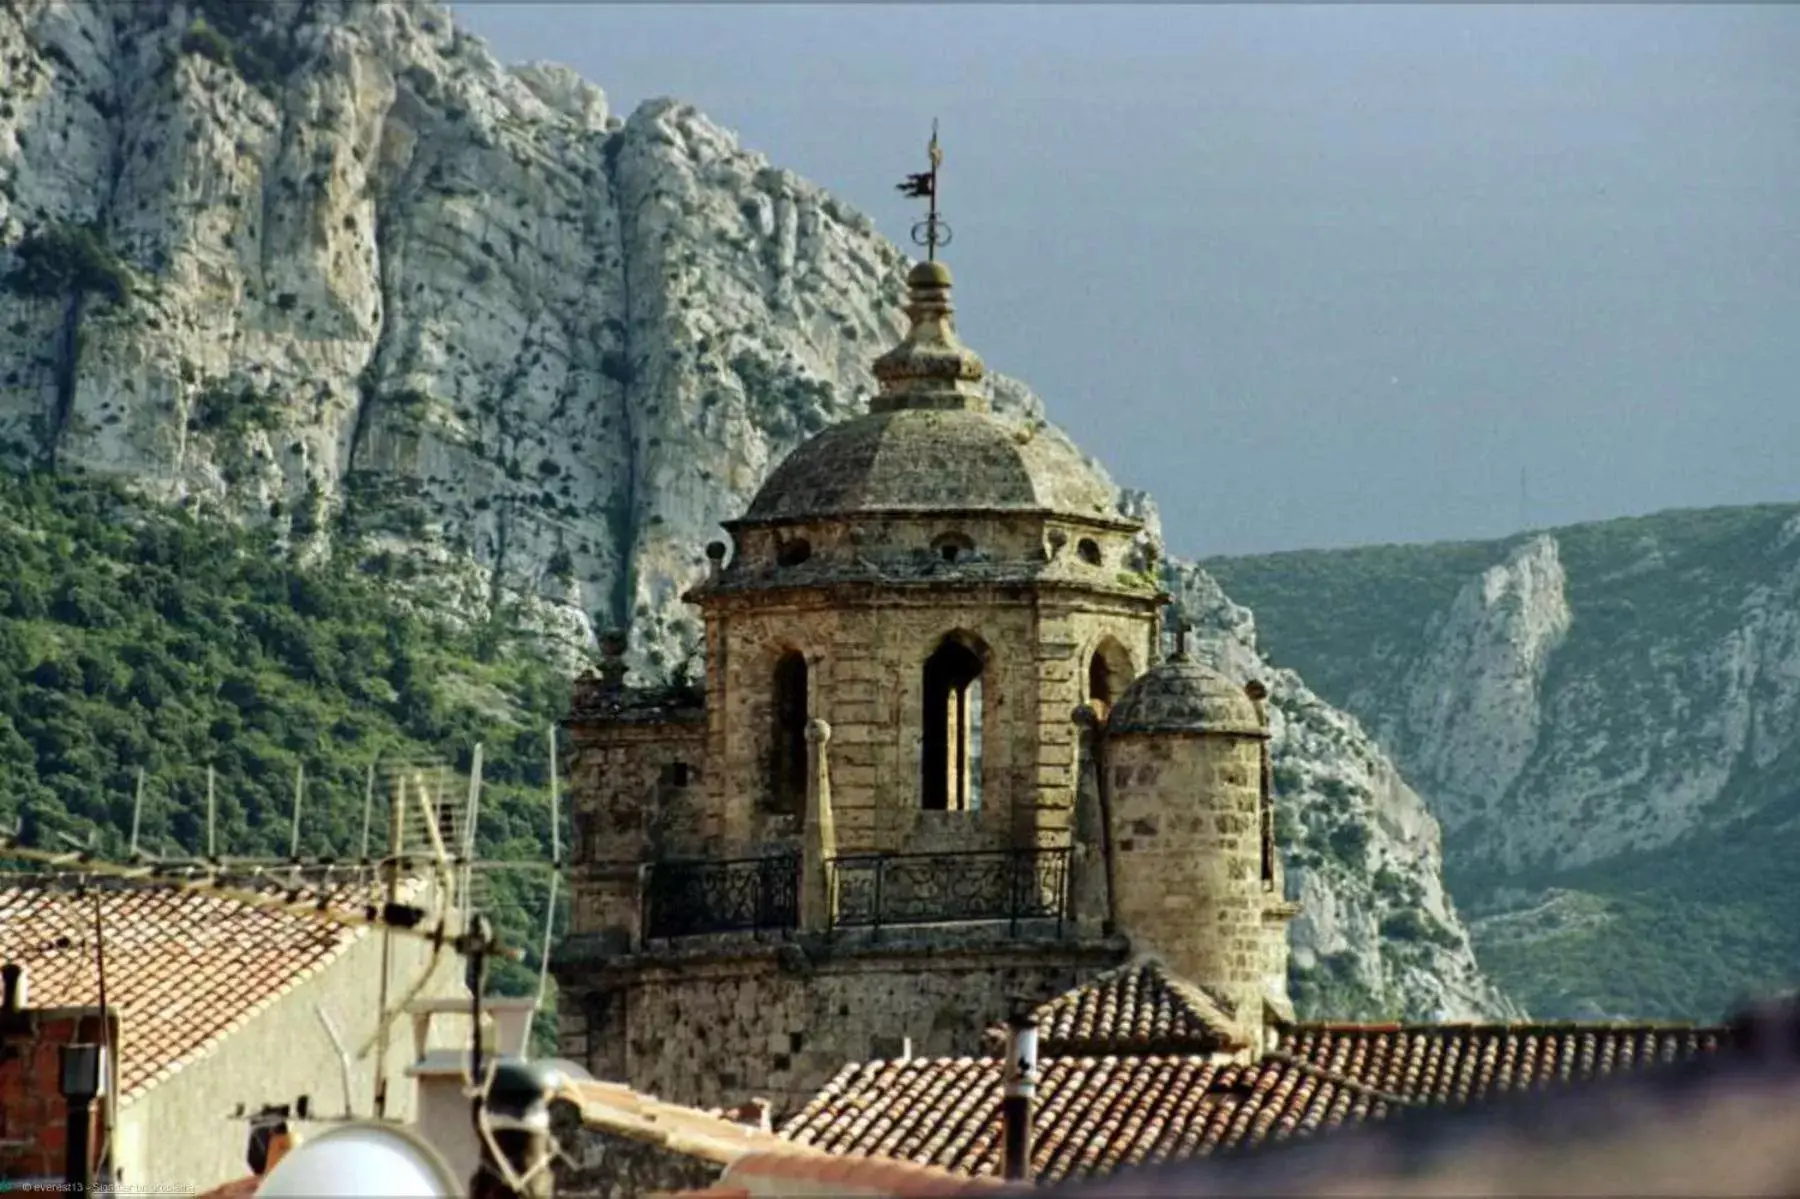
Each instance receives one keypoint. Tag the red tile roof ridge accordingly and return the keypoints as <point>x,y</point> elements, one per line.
<point>1513,1026</point>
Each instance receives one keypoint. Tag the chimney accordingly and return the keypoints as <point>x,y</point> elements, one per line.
<point>17,991</point>
<point>1020,1093</point>
<point>82,1080</point>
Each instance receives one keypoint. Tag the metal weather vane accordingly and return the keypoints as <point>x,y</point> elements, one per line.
<point>933,231</point>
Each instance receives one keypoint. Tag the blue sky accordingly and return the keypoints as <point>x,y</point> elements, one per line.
<point>1314,276</point>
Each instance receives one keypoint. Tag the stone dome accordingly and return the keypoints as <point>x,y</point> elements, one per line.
<point>930,442</point>
<point>932,459</point>
<point>1182,696</point>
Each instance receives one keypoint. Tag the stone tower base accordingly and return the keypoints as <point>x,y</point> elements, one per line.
<point>721,1023</point>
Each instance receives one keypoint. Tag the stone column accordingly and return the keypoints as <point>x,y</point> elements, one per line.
<point>819,842</point>
<point>1089,898</point>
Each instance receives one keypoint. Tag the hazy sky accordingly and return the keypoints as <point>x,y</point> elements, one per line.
<point>1313,276</point>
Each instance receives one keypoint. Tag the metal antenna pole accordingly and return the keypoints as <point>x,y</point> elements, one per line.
<point>471,814</point>
<point>109,1102</point>
<point>368,811</point>
<point>299,794</point>
<point>212,815</point>
<point>396,844</point>
<point>555,877</point>
<point>137,812</point>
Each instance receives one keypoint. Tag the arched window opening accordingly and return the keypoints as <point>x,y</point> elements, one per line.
<point>952,733</point>
<point>793,553</point>
<point>953,547</point>
<point>1100,690</point>
<point>787,749</point>
<point>1088,550</point>
<point>1109,673</point>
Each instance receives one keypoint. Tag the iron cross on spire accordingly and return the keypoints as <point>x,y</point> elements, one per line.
<point>933,231</point>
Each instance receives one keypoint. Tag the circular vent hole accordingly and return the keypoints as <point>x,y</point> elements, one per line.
<point>1089,551</point>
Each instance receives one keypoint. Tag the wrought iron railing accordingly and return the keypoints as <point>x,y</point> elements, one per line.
<point>685,899</point>
<point>872,890</point>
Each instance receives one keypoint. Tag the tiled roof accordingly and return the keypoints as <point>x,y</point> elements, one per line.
<point>1096,1114</point>
<point>182,967</point>
<point>1453,1063</point>
<point>1137,1008</point>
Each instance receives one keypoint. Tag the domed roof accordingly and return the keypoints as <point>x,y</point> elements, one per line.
<point>929,442</point>
<point>932,459</point>
<point>1182,696</point>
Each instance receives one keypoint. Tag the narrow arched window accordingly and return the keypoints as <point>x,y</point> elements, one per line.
<point>952,731</point>
<point>787,748</point>
<point>1109,673</point>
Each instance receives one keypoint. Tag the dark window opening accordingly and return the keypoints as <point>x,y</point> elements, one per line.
<point>1088,550</point>
<point>677,774</point>
<point>1099,683</point>
<point>1109,671</point>
<point>787,765</point>
<point>952,732</point>
<point>953,547</point>
<point>793,553</point>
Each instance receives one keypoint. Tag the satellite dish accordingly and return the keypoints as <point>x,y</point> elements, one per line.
<point>362,1161</point>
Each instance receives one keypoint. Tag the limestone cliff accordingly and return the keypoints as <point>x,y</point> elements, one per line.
<point>1606,718</point>
<point>331,266</point>
<point>1362,853</point>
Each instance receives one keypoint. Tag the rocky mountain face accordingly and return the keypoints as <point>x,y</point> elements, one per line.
<point>1601,716</point>
<point>329,266</point>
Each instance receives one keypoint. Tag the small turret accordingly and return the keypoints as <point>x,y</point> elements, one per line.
<point>1185,752</point>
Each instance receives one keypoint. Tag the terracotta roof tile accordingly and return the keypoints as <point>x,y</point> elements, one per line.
<point>1456,1063</point>
<point>1139,1007</point>
<point>182,967</point>
<point>1098,1113</point>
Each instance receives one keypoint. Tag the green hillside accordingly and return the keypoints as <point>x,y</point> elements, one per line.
<point>134,637</point>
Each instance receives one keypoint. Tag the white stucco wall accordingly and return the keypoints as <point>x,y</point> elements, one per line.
<point>179,1133</point>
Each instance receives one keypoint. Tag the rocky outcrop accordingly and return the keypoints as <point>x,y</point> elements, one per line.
<point>1473,705</point>
<point>1605,717</point>
<point>330,266</point>
<point>1362,852</point>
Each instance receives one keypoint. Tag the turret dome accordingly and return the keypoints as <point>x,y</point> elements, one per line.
<point>1182,696</point>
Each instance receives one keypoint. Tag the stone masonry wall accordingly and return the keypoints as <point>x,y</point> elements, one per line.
<point>598,1163</point>
<point>1189,867</point>
<point>866,679</point>
<point>777,1022</point>
<point>638,794</point>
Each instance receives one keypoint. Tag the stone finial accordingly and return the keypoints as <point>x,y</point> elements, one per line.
<point>715,560</point>
<point>930,368</point>
<point>1057,539</point>
<point>818,731</point>
<point>1256,691</point>
<point>1182,628</point>
<point>613,644</point>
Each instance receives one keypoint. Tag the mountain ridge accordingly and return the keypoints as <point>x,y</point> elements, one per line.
<point>328,270</point>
